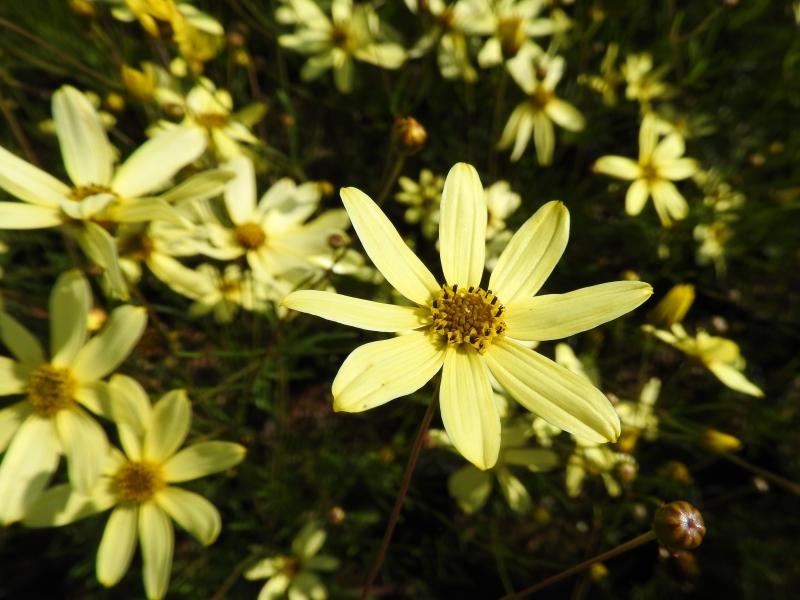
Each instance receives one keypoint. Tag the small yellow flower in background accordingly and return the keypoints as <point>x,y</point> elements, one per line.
<point>713,236</point>
<point>51,420</point>
<point>719,355</point>
<point>638,419</point>
<point>294,576</point>
<point>501,202</point>
<point>643,83</point>
<point>660,163</point>
<point>352,32</point>
<point>423,198</point>
<point>466,330</point>
<point>609,79</point>
<point>511,28</point>
<point>137,486</point>
<point>590,459</point>
<point>673,306</point>
<point>538,74</point>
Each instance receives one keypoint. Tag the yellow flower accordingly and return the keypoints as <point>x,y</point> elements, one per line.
<point>466,330</point>
<point>423,199</point>
<point>294,575</point>
<point>538,74</point>
<point>511,27</point>
<point>643,83</point>
<point>719,355</point>
<point>659,164</point>
<point>638,418</point>
<point>673,306</point>
<point>52,420</point>
<point>137,485</point>
<point>590,459</point>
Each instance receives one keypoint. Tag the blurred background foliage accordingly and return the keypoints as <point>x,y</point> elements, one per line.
<point>264,382</point>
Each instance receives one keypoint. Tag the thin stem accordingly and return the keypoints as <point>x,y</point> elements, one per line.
<point>621,549</point>
<point>787,484</point>
<point>401,494</point>
<point>19,133</point>
<point>397,167</point>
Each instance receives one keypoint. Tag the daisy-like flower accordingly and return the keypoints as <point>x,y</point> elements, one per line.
<point>501,202</point>
<point>590,459</point>
<point>638,418</point>
<point>660,163</point>
<point>513,25</point>
<point>52,419</point>
<point>423,198</point>
<point>137,485</point>
<point>294,576</point>
<point>538,74</point>
<point>643,83</point>
<point>719,355</point>
<point>464,329</point>
<point>100,192</point>
<point>352,33</point>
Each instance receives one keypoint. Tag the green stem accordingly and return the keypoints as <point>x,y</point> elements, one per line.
<point>787,484</point>
<point>391,178</point>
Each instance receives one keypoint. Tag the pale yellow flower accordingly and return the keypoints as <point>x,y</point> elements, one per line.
<point>137,485</point>
<point>501,202</point>
<point>589,459</point>
<point>423,198</point>
<point>512,26</point>
<point>660,163</point>
<point>643,83</point>
<point>294,576</point>
<point>466,330</point>
<point>638,418</point>
<point>51,420</point>
<point>609,79</point>
<point>538,74</point>
<point>719,355</point>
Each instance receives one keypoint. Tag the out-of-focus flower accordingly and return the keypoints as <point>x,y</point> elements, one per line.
<point>644,83</point>
<point>501,202</point>
<point>660,163</point>
<point>609,79</point>
<point>351,33</point>
<point>423,198</point>
<point>295,575</point>
<point>638,418</point>
<point>538,74</point>
<point>511,28</point>
<point>137,486</point>
<point>589,459</point>
<point>52,419</point>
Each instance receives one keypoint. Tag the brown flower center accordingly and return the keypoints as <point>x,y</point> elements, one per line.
<point>468,315</point>
<point>50,390</point>
<point>511,34</point>
<point>649,172</point>
<point>138,481</point>
<point>250,235</point>
<point>80,192</point>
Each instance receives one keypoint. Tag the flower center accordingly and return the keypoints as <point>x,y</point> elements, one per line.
<point>468,315</point>
<point>80,192</point>
<point>511,35</point>
<point>138,481</point>
<point>340,38</point>
<point>50,390</point>
<point>250,235</point>
<point>212,120</point>
<point>649,172</point>
<point>541,97</point>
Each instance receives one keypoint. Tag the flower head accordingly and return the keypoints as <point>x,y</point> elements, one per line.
<point>466,330</point>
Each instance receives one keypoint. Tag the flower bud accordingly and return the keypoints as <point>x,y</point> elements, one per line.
<point>676,471</point>
<point>719,442</point>
<point>409,135</point>
<point>679,526</point>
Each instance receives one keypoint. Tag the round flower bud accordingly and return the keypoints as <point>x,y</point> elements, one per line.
<point>409,135</point>
<point>679,526</point>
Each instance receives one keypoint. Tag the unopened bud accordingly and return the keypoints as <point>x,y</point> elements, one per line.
<point>674,306</point>
<point>409,135</point>
<point>677,472</point>
<point>679,526</point>
<point>719,442</point>
<point>115,102</point>
<point>336,515</point>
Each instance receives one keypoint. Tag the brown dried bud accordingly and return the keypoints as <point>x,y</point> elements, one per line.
<point>679,526</point>
<point>409,135</point>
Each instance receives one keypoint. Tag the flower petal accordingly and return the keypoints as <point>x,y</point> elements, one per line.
<point>70,302</point>
<point>544,138</point>
<point>142,210</point>
<point>734,379</point>
<point>240,192</point>
<point>617,166</point>
<point>26,182</point>
<point>564,114</point>
<point>534,459</point>
<point>467,405</point>
<point>86,151</point>
<point>130,404</point>
<point>636,197</point>
<point>16,215</point>
<point>547,389</point>
<point>11,417</point>
<point>199,187</point>
<point>557,316</point>
<point>309,540</point>
<point>24,346</point>
<point>398,264</point>
<point>670,148</point>
<point>118,543</point>
<point>30,460</point>
<point>307,586</point>
<point>157,540</point>
<point>669,202</point>
<point>648,137</point>
<point>86,446</point>
<point>373,316</point>
<point>532,254</point>
<point>62,505</point>
<point>378,372</point>
<point>518,498</point>
<point>106,351</point>
<point>275,588</point>
<point>101,248</point>
<point>470,487</point>
<point>202,459</point>
<point>172,416</point>
<point>13,379</point>
<point>192,512</point>
<point>154,163</point>
<point>462,226</point>
<point>679,168</point>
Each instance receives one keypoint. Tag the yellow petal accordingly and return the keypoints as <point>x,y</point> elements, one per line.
<point>26,182</point>
<point>11,417</point>
<point>85,444</point>
<point>17,215</point>
<point>636,197</point>
<point>62,505</point>
<point>556,316</point>
<point>565,115</point>
<point>518,498</point>
<point>668,201</point>
<point>118,543</point>
<point>677,169</point>
<point>106,351</point>
<point>398,264</point>
<point>532,254</point>
<point>157,540</point>
<point>547,389</point>
<point>378,372</point>
<point>172,416</point>
<point>202,459</point>
<point>466,402</point>
<point>544,138</point>
<point>373,316</point>
<point>734,379</point>
<point>462,226</point>
<point>24,346</point>
<point>618,166</point>
<point>70,301</point>
<point>101,248</point>
<point>648,137</point>
<point>670,148</point>
<point>192,512</point>
<point>470,487</point>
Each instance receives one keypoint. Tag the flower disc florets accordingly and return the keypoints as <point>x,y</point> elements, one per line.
<point>468,315</point>
<point>50,390</point>
<point>250,235</point>
<point>84,191</point>
<point>138,481</point>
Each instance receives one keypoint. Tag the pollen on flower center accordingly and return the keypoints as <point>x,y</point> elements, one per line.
<point>250,235</point>
<point>80,192</point>
<point>468,315</point>
<point>138,481</point>
<point>50,390</point>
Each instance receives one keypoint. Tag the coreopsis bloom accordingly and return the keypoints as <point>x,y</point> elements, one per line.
<point>501,202</point>
<point>295,576</point>
<point>538,74</point>
<point>590,459</point>
<point>100,192</point>
<point>608,80</point>
<point>512,26</point>
<point>137,485</point>
<point>719,355</point>
<point>52,419</point>
<point>423,198</point>
<point>351,33</point>
<point>660,163</point>
<point>638,418</point>
<point>643,83</point>
<point>464,329</point>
